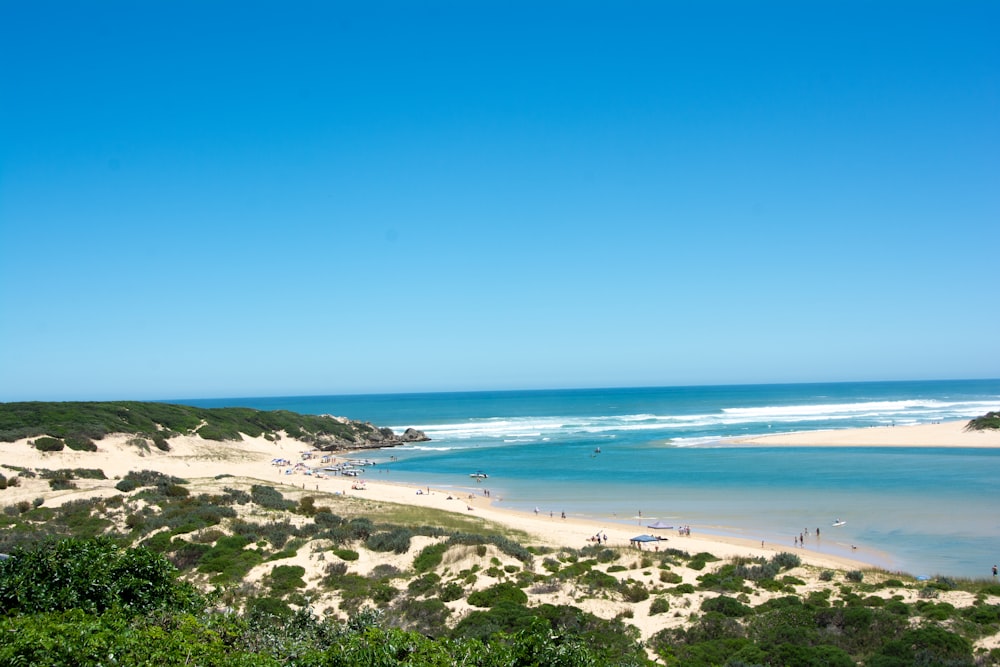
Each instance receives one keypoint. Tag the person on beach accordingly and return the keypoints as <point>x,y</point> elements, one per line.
<point>994,571</point>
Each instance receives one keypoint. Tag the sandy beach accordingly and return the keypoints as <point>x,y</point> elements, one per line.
<point>945,434</point>
<point>194,458</point>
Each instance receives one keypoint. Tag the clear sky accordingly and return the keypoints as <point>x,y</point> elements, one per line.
<point>211,198</point>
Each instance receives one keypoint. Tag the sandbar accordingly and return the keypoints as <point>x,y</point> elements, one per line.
<point>942,434</point>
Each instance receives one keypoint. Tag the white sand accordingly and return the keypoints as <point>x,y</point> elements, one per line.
<point>944,434</point>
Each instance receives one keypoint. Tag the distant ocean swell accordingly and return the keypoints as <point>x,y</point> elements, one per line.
<point>704,427</point>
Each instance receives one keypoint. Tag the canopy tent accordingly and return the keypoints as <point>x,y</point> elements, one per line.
<point>659,525</point>
<point>645,538</point>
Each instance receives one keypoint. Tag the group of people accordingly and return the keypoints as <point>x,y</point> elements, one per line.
<point>800,540</point>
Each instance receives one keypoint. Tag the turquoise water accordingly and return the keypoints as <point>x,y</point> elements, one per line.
<point>918,510</point>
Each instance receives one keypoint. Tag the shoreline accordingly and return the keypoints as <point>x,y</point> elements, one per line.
<point>940,434</point>
<point>577,531</point>
<point>252,458</point>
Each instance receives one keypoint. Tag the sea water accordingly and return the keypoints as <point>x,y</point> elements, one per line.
<point>634,455</point>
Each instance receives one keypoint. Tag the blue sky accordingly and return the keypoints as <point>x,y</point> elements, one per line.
<point>203,199</point>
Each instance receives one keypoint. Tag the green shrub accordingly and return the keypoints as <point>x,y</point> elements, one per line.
<point>286,578</point>
<point>659,605</point>
<point>307,506</point>
<point>270,498</point>
<point>725,605</point>
<point>429,557</point>
<point>48,444</point>
<point>668,577</point>
<point>633,591</point>
<point>80,443</point>
<point>428,617</point>
<point>451,592</point>
<point>786,561</point>
<point>396,540</point>
<point>268,609</point>
<point>854,575</point>
<point>61,484</point>
<point>424,585</point>
<point>501,592</point>
<point>228,560</point>
<point>326,519</point>
<point>234,497</point>
<point>93,575</point>
<point>127,485</point>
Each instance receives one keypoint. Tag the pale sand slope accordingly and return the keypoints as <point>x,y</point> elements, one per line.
<point>945,434</point>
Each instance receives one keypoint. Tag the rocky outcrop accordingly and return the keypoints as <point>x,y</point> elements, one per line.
<point>365,435</point>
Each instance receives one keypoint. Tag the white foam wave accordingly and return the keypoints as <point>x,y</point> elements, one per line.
<point>521,429</point>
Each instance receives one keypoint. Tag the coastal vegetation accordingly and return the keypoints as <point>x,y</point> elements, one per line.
<point>228,570</point>
<point>78,424</point>
<point>217,572</point>
<point>991,420</point>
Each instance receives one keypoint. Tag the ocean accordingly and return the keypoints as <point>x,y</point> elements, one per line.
<point>635,455</point>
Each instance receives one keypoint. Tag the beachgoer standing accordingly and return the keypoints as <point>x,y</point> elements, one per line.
<point>994,571</point>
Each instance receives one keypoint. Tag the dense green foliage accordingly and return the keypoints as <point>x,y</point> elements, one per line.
<point>93,575</point>
<point>77,424</point>
<point>991,420</point>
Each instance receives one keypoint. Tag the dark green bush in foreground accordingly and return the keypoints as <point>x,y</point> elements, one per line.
<point>93,575</point>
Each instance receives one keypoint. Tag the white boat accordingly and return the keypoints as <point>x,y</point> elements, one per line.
<point>478,475</point>
<point>838,523</point>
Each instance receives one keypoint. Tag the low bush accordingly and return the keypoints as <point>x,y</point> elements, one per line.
<point>428,617</point>
<point>634,591</point>
<point>396,540</point>
<point>502,592</point>
<point>727,606</point>
<point>424,585</point>
<point>429,557</point>
<point>47,444</point>
<point>270,498</point>
<point>80,443</point>
<point>786,561</point>
<point>286,578</point>
<point>450,592</point>
<point>659,605</point>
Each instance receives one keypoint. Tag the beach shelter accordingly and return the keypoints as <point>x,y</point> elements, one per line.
<point>639,539</point>
<point>659,525</point>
